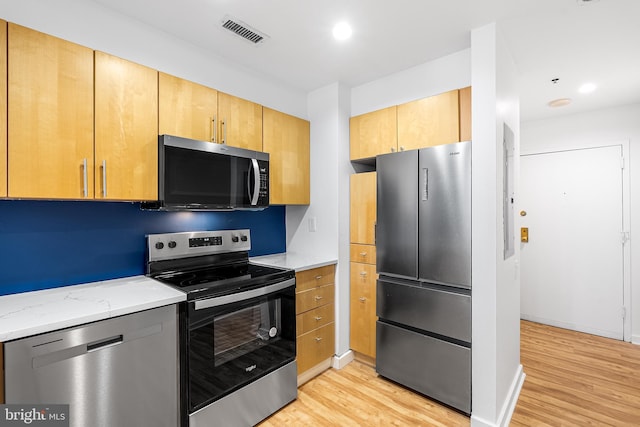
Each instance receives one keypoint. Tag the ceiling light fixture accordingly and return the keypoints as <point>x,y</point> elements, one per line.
<point>587,88</point>
<point>561,102</point>
<point>342,31</point>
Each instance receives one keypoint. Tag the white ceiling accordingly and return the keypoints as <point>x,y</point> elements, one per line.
<point>598,41</point>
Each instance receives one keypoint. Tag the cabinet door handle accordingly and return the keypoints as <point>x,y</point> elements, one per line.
<point>318,277</point>
<point>318,339</point>
<point>401,148</point>
<point>85,177</point>
<point>224,131</point>
<point>104,178</point>
<point>214,131</point>
<point>318,297</point>
<point>362,299</point>
<point>393,150</point>
<point>318,318</point>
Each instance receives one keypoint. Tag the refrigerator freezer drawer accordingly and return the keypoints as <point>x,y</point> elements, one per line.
<point>425,307</point>
<point>430,366</point>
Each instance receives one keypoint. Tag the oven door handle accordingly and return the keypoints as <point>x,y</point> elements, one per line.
<point>241,296</point>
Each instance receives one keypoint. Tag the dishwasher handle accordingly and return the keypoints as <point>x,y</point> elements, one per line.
<point>107,342</point>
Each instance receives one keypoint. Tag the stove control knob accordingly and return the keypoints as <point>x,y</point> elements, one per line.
<point>243,238</point>
<point>172,244</point>
<point>159,245</point>
<point>234,239</point>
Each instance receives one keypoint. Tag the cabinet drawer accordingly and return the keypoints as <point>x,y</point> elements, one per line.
<point>315,346</point>
<point>430,308</point>
<point>363,253</point>
<point>313,298</point>
<point>315,318</point>
<point>315,277</point>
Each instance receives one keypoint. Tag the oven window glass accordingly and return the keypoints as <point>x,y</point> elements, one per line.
<point>232,345</point>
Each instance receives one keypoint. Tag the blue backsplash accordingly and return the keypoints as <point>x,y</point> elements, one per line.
<point>47,244</point>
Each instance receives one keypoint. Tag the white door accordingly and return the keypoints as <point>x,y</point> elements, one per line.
<point>572,271</point>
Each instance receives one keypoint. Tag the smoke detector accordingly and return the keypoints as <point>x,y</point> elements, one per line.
<point>243,30</point>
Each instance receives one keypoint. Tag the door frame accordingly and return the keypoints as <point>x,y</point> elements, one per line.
<point>626,221</point>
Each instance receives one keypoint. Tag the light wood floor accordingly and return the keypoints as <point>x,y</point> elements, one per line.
<point>573,379</point>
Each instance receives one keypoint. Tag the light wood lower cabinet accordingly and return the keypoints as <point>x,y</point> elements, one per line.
<point>315,326</point>
<point>363,309</point>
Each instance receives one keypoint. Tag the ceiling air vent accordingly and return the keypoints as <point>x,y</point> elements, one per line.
<point>243,30</point>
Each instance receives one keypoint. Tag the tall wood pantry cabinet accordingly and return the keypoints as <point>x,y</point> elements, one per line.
<point>363,266</point>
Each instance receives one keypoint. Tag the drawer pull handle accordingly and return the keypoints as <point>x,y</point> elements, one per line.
<point>363,254</point>
<point>318,318</point>
<point>363,273</point>
<point>318,277</point>
<point>362,299</point>
<point>318,339</point>
<point>318,297</point>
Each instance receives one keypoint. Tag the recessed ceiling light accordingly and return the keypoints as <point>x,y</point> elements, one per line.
<point>561,102</point>
<point>342,31</point>
<point>587,88</point>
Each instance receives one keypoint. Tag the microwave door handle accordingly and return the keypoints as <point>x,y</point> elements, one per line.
<point>256,183</point>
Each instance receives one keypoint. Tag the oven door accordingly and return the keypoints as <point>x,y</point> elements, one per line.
<point>236,339</point>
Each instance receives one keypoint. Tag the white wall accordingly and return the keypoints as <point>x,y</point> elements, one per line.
<point>496,370</point>
<point>431,78</point>
<point>592,129</point>
<point>329,114</point>
<point>91,25</point>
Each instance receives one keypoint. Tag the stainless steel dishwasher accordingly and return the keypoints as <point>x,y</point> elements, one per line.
<point>118,372</point>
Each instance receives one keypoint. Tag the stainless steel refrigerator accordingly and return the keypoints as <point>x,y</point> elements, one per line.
<point>423,245</point>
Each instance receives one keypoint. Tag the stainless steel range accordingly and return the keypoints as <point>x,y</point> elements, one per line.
<point>238,340</point>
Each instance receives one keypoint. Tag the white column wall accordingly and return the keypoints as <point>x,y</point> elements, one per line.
<point>92,25</point>
<point>496,370</point>
<point>329,114</point>
<point>593,129</point>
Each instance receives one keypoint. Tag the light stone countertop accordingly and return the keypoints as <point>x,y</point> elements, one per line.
<point>294,261</point>
<point>36,312</point>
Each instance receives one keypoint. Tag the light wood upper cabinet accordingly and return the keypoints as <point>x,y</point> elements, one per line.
<point>373,133</point>
<point>363,208</point>
<point>240,122</point>
<point>3,110</point>
<point>126,129</point>
<point>286,139</point>
<point>429,121</point>
<point>186,109</point>
<point>465,113</point>
<point>50,116</point>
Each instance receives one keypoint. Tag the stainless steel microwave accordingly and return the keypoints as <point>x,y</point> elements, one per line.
<point>199,175</point>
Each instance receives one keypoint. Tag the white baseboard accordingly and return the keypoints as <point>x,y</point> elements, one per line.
<point>508,407</point>
<point>343,360</point>
<point>635,339</point>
